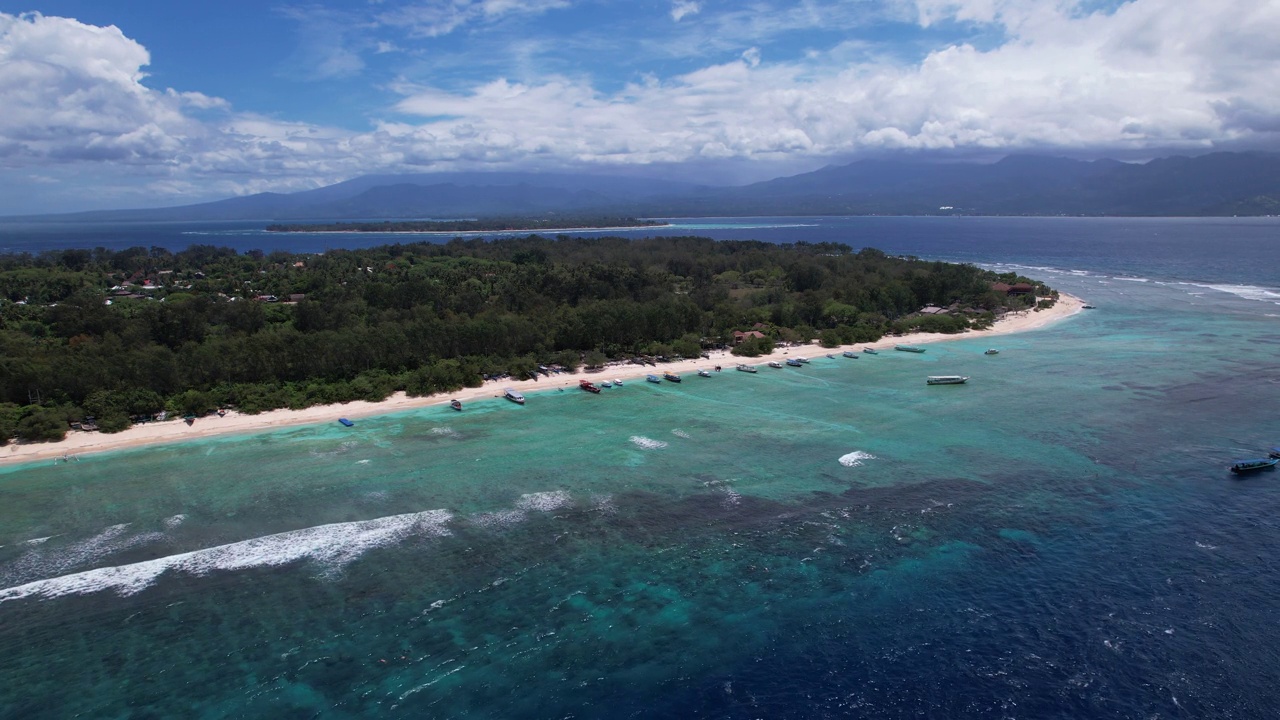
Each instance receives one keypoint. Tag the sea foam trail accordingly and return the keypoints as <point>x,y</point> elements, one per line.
<point>330,545</point>
<point>856,458</point>
<point>647,443</point>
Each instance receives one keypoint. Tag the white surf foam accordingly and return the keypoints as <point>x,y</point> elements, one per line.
<point>544,501</point>
<point>1248,292</point>
<point>856,458</point>
<point>502,518</point>
<point>444,431</point>
<point>647,443</point>
<point>332,545</point>
<point>681,434</point>
<point>37,541</point>
<point>175,521</point>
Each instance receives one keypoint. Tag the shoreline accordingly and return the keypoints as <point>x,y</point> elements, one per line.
<point>533,231</point>
<point>79,443</point>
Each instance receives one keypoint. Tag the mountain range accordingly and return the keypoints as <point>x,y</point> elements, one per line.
<point>1216,184</point>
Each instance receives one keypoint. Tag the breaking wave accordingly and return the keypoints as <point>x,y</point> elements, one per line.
<point>647,443</point>
<point>856,458</point>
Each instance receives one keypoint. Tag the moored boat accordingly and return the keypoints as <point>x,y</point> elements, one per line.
<point>345,422</point>
<point>588,386</point>
<point>850,354</point>
<point>1088,307</point>
<point>513,396</point>
<point>1275,452</point>
<point>653,378</point>
<point>871,351</point>
<point>1240,467</point>
<point>775,364</point>
<point>606,384</point>
<point>746,368</point>
<point>947,380</point>
<point>704,373</point>
<point>992,351</point>
<point>802,360</point>
<point>618,382</point>
<point>671,377</point>
<point>908,348</point>
<point>793,362</point>
<point>455,404</point>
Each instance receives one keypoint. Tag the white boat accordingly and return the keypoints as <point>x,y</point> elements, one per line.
<point>775,364</point>
<point>618,383</point>
<point>703,373</point>
<point>947,379</point>
<point>802,360</point>
<point>513,396</point>
<point>992,351</point>
<point>606,384</point>
<point>746,368</point>
<point>851,354</point>
<point>653,378</point>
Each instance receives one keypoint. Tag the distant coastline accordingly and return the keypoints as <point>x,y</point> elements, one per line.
<point>434,227</point>
<point>79,444</point>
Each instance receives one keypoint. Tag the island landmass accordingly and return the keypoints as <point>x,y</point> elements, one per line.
<point>469,226</point>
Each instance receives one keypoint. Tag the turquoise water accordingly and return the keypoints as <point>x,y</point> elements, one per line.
<point>1058,538</point>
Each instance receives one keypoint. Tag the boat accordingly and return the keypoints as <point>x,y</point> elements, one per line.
<point>992,351</point>
<point>947,380</point>
<point>793,362</point>
<point>704,373</point>
<point>606,384</point>
<point>746,368</point>
<point>653,378</point>
<point>908,348</point>
<point>671,377</point>
<point>618,382</point>
<point>802,360</point>
<point>831,357</point>
<point>1088,307</point>
<point>1275,452</point>
<point>345,422</point>
<point>1240,467</point>
<point>588,386</point>
<point>775,364</point>
<point>455,404</point>
<point>871,351</point>
<point>850,354</point>
<point>513,396</point>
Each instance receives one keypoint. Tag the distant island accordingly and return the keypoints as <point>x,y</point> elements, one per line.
<point>488,225</point>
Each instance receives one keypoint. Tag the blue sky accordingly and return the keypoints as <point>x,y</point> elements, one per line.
<point>135,103</point>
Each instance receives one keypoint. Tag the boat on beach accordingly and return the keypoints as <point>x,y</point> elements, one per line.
<point>671,377</point>
<point>850,354</point>
<point>871,351</point>
<point>947,379</point>
<point>588,386</point>
<point>908,348</point>
<point>455,404</point>
<point>1242,467</point>
<point>746,368</point>
<point>513,396</point>
<point>653,378</point>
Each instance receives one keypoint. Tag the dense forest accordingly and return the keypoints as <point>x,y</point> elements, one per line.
<point>114,337</point>
<point>486,225</point>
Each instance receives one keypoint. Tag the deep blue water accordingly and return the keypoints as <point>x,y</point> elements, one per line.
<point>1057,539</point>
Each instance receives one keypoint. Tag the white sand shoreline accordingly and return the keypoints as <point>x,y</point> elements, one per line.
<point>79,443</point>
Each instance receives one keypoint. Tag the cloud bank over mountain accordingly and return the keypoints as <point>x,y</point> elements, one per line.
<point>665,88</point>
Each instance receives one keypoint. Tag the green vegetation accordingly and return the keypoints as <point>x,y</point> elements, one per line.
<point>487,225</point>
<point>120,336</point>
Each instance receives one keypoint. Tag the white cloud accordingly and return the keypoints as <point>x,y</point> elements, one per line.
<point>434,18</point>
<point>681,9</point>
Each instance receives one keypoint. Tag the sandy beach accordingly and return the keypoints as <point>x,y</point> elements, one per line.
<point>78,443</point>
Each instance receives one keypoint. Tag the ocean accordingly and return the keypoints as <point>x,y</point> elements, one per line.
<point>1059,538</point>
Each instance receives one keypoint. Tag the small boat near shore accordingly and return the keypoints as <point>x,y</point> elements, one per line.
<point>513,396</point>
<point>456,404</point>
<point>992,351</point>
<point>793,362</point>
<point>653,378</point>
<point>704,373</point>
<point>802,360</point>
<point>775,364</point>
<point>618,382</point>
<point>1275,452</point>
<point>850,354</point>
<point>671,377</point>
<point>606,384</point>
<point>746,369</point>
<point>345,422</point>
<point>908,348</point>
<point>1242,467</point>
<point>947,379</point>
<point>871,351</point>
<point>588,386</point>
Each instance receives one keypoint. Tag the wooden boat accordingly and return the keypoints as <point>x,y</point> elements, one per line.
<point>455,404</point>
<point>850,354</point>
<point>908,348</point>
<point>871,351</point>
<point>671,377</point>
<point>793,362</point>
<point>513,396</point>
<point>775,364</point>
<point>1241,467</point>
<point>947,380</point>
<point>345,422</point>
<point>653,378</point>
<point>992,351</point>
<point>588,386</point>
<point>746,368</point>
